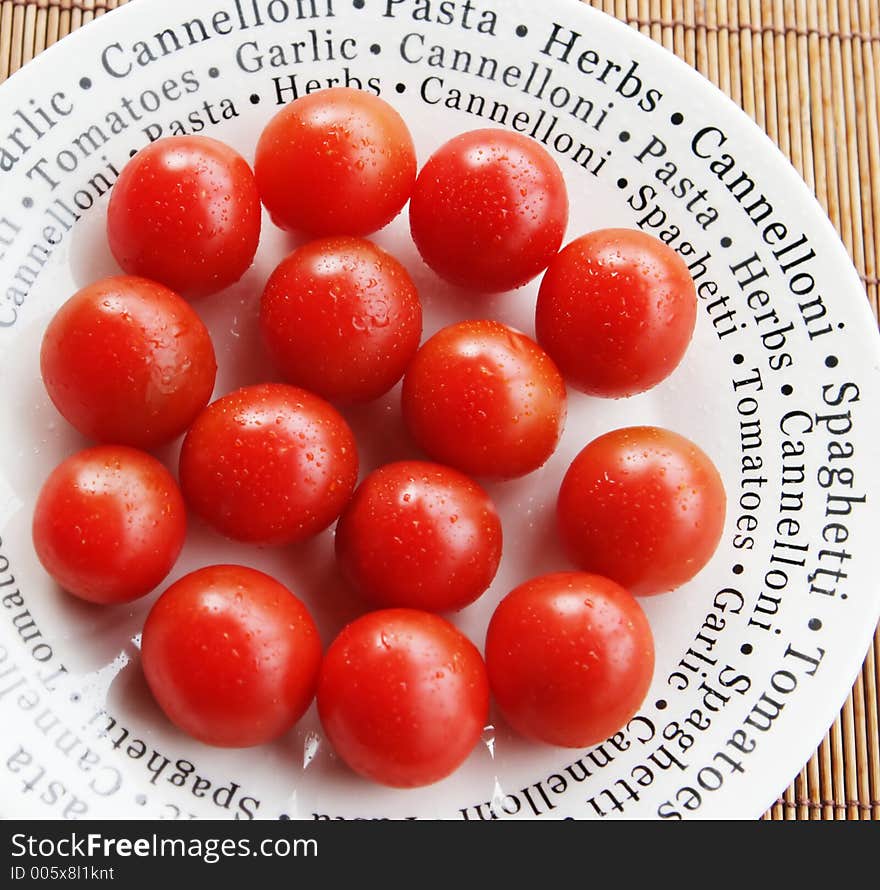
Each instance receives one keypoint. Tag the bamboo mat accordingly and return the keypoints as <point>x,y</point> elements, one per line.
<point>808,71</point>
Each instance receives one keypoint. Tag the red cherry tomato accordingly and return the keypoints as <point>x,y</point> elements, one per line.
<point>185,211</point>
<point>269,464</point>
<point>125,360</point>
<point>419,535</point>
<point>109,524</point>
<point>335,162</point>
<point>231,656</point>
<point>403,697</point>
<point>570,658</point>
<point>616,311</point>
<point>342,318</point>
<point>489,210</point>
<point>484,399</point>
<point>644,506</point>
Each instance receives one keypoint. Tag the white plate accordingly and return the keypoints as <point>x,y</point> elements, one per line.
<point>754,657</point>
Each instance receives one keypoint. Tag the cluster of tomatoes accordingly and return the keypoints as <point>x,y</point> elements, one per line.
<point>231,655</point>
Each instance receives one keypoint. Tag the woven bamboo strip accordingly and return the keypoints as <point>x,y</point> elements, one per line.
<point>801,788</point>
<point>76,16</point>
<point>725,75</point>
<point>792,104</point>
<point>753,13</point>
<point>870,20</point>
<point>673,37</point>
<point>5,38</point>
<point>818,786</point>
<point>848,758</point>
<point>655,17</point>
<point>64,20</point>
<point>804,106</point>
<point>848,185</point>
<point>710,24</point>
<point>812,792</point>
<point>790,797</point>
<point>690,35</point>
<point>808,73</point>
<point>52,19</point>
<point>746,63</point>
<point>825,757</point>
<point>769,66</point>
<point>848,147</point>
<point>823,116</point>
<point>862,788</point>
<point>872,684</point>
<point>874,130</point>
<point>28,34</point>
<point>734,52</point>
<point>40,29</point>
<point>865,692</point>
<point>644,18</point>
<point>776,87</point>
<point>858,172</point>
<point>17,38</point>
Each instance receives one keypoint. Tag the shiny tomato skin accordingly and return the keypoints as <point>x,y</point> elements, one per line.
<point>342,318</point>
<point>269,464</point>
<point>485,399</point>
<point>570,658</point>
<point>403,697</point>
<point>185,211</point>
<point>644,506</point>
<point>127,361</point>
<point>338,161</point>
<point>421,536</point>
<point>231,656</point>
<point>616,310</point>
<point>489,210</point>
<point>109,524</point>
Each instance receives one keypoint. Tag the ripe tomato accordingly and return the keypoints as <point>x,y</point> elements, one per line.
<point>644,506</point>
<point>109,524</point>
<point>342,318</point>
<point>125,360</point>
<point>489,210</point>
<point>403,697</point>
<point>335,162</point>
<point>484,399</point>
<point>185,211</point>
<point>616,311</point>
<point>419,535</point>
<point>570,658</point>
<point>269,464</point>
<point>231,656</point>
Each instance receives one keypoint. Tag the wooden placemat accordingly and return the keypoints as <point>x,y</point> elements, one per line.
<point>808,72</point>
